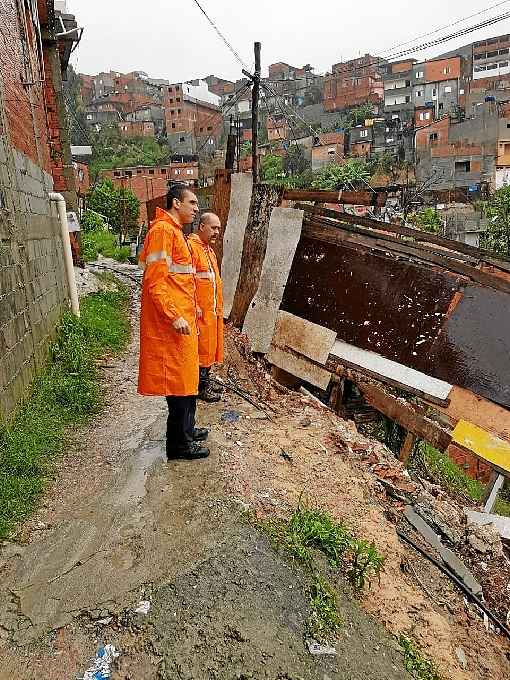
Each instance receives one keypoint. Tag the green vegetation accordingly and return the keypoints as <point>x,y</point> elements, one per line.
<point>119,206</point>
<point>312,531</point>
<point>414,663</point>
<point>496,238</point>
<point>439,466</point>
<point>324,619</point>
<point>335,176</point>
<point>427,219</point>
<point>65,394</point>
<point>110,150</point>
<point>102,242</point>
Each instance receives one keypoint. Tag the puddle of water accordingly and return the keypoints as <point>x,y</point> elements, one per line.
<point>132,490</point>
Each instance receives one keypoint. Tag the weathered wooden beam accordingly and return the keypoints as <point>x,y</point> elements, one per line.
<point>491,258</point>
<point>407,447</point>
<point>264,198</point>
<point>347,197</point>
<point>221,206</point>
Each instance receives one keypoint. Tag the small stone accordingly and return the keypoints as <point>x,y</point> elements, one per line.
<point>461,656</point>
<point>305,422</point>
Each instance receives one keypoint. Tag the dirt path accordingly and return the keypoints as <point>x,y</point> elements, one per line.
<point>119,524</point>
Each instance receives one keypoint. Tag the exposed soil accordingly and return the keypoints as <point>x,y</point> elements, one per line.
<point>119,524</point>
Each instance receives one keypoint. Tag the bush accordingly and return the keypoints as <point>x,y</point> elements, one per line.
<point>100,242</point>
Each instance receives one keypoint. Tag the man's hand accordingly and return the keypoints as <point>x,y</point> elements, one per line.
<point>181,326</point>
<point>200,313</point>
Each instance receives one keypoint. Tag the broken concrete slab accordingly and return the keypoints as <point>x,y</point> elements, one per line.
<point>451,560</point>
<point>500,523</point>
<point>283,236</point>
<point>304,337</point>
<point>299,366</point>
<point>233,239</point>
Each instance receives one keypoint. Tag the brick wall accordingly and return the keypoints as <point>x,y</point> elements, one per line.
<point>33,286</point>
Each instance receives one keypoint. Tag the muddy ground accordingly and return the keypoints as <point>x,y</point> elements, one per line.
<point>119,525</point>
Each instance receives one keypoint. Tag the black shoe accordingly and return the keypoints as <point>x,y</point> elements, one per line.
<point>200,434</point>
<point>195,452</point>
<point>208,395</point>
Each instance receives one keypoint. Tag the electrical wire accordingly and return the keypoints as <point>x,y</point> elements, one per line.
<point>220,34</point>
<point>231,103</point>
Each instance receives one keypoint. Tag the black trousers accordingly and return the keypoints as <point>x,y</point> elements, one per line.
<point>180,423</point>
<point>204,378</point>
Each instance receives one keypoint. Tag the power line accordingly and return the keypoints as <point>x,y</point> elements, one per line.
<point>232,103</point>
<point>220,34</point>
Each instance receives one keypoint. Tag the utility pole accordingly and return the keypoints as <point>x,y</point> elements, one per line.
<point>255,113</point>
<point>231,147</point>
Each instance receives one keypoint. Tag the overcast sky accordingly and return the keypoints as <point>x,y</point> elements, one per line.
<point>173,40</point>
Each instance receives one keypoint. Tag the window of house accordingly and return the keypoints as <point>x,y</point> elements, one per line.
<point>170,89</point>
<point>483,55</point>
<point>211,141</point>
<point>171,101</point>
<point>389,140</point>
<point>116,173</point>
<point>178,100</point>
<point>419,74</point>
<point>419,93</point>
<point>163,171</point>
<point>425,115</point>
<point>447,90</point>
<point>433,137</point>
<point>177,171</point>
<point>89,116</point>
<point>503,64</point>
<point>201,129</point>
<point>151,172</point>
<point>440,106</point>
<point>503,51</point>
<point>461,91</point>
<point>129,173</point>
<point>173,126</point>
<point>139,171</point>
<point>446,70</point>
<point>480,68</point>
<point>490,67</point>
<point>209,128</point>
<point>363,133</point>
<point>492,54</point>
<point>181,140</point>
<point>172,112</point>
<point>178,110</point>
<point>462,166</point>
<point>189,172</point>
<point>408,99</point>
<point>434,92</point>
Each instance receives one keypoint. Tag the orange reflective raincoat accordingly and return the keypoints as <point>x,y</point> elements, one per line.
<point>210,300</point>
<point>168,360</point>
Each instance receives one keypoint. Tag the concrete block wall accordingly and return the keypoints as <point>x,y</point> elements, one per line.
<point>33,287</point>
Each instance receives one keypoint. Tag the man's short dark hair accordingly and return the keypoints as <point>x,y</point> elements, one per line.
<point>175,190</point>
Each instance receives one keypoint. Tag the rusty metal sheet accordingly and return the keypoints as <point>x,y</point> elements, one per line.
<point>474,350</point>
<point>299,366</point>
<point>304,337</point>
<point>384,304</point>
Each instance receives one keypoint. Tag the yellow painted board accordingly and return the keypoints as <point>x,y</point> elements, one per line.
<point>483,444</point>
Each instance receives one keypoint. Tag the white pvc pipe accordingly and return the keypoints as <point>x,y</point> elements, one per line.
<point>68,255</point>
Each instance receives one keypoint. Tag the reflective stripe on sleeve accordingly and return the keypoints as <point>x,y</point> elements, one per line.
<point>205,275</point>
<point>173,267</point>
<point>156,257</point>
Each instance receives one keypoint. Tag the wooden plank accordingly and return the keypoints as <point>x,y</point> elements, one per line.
<point>264,198</point>
<point>386,370</point>
<point>383,236</point>
<point>489,257</point>
<point>337,235</point>
<point>233,239</point>
<point>491,493</point>
<point>300,366</point>
<point>483,444</point>
<point>407,447</point>
<point>347,197</point>
<point>306,338</point>
<point>403,413</point>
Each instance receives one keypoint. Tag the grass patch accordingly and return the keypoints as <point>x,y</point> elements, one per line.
<point>419,667</point>
<point>96,242</point>
<point>446,472</point>
<point>309,531</point>
<point>65,393</point>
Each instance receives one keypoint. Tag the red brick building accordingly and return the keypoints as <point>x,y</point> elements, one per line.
<point>130,129</point>
<point>148,183</point>
<point>352,83</point>
<point>35,159</point>
<point>191,123</point>
<point>329,150</point>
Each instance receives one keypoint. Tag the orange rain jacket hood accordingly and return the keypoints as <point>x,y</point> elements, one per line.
<point>210,300</point>
<point>168,360</point>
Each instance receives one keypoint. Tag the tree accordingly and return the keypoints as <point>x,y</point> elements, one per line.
<point>497,211</point>
<point>358,115</point>
<point>295,162</point>
<point>271,168</point>
<point>118,205</point>
<point>427,219</point>
<point>334,176</point>
<point>75,108</point>
<point>245,149</point>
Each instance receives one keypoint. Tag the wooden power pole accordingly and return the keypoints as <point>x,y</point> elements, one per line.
<point>255,113</point>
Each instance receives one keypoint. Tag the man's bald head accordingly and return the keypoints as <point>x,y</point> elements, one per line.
<point>209,227</point>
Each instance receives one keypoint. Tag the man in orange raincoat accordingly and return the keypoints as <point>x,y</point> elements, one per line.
<point>209,302</point>
<point>168,331</point>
